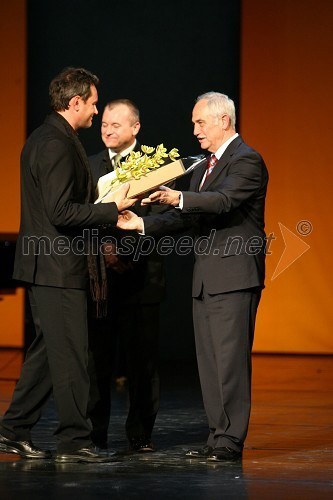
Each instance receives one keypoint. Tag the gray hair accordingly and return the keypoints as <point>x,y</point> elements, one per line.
<point>220,104</point>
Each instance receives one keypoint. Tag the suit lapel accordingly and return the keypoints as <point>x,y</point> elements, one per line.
<point>105,165</point>
<point>222,163</point>
<point>197,177</point>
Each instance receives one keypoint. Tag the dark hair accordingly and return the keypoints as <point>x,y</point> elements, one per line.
<point>130,104</point>
<point>69,83</point>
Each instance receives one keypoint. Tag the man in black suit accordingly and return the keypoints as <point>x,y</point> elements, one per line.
<point>225,205</point>
<point>51,258</point>
<point>135,290</point>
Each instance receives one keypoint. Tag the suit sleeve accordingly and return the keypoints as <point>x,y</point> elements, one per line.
<point>63,193</point>
<point>169,222</point>
<point>245,177</point>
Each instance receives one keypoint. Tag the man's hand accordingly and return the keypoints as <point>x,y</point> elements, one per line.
<point>165,196</point>
<point>118,196</point>
<point>130,221</point>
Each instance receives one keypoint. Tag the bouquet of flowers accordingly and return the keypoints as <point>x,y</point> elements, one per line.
<point>139,163</point>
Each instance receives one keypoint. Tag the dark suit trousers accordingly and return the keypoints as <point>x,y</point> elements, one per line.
<point>224,329</point>
<point>136,326</point>
<point>56,362</point>
<point>140,330</point>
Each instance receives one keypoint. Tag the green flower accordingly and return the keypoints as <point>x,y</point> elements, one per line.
<point>139,163</point>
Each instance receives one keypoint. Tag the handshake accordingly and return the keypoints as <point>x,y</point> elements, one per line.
<point>128,220</point>
<point>120,198</point>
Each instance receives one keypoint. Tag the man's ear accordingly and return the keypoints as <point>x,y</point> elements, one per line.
<point>225,121</point>
<point>136,128</point>
<point>75,102</point>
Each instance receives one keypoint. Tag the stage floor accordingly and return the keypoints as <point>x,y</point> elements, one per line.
<point>288,453</point>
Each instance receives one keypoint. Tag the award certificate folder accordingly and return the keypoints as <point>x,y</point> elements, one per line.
<point>147,182</point>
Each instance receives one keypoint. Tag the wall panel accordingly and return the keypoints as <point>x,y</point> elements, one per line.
<point>286,110</point>
<point>12,137</point>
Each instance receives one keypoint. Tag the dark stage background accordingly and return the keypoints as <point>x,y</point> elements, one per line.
<point>162,56</point>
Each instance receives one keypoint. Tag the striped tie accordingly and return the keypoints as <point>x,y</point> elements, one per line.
<point>211,164</point>
<point>116,161</point>
<point>212,160</point>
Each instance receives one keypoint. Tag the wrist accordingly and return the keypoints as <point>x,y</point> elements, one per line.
<point>140,227</point>
<point>178,196</point>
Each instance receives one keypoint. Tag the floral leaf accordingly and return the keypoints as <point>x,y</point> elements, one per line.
<point>137,164</point>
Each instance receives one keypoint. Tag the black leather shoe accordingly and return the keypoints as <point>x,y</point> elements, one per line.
<point>102,445</point>
<point>142,445</point>
<point>200,452</point>
<point>225,454</point>
<point>89,455</point>
<point>25,449</point>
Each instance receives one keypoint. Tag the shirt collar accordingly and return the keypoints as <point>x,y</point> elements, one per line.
<point>123,153</point>
<point>224,146</point>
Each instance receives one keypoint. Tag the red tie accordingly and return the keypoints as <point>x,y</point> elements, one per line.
<point>211,164</point>
<point>212,160</point>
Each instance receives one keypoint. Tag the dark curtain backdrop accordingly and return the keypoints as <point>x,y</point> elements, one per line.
<point>162,55</point>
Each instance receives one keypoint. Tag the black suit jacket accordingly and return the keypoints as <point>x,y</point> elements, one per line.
<point>54,212</point>
<point>145,282</point>
<point>227,218</point>
<point>100,164</point>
